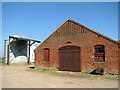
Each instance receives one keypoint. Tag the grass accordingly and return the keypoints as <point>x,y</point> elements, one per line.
<point>1,61</point>
<point>16,64</point>
<point>54,71</point>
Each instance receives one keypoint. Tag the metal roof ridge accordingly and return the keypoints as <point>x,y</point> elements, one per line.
<point>24,39</point>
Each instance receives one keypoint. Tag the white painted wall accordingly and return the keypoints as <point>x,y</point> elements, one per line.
<point>18,51</point>
<point>32,55</point>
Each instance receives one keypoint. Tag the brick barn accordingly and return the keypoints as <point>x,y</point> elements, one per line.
<point>75,47</point>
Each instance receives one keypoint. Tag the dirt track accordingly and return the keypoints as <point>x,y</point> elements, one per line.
<point>18,77</point>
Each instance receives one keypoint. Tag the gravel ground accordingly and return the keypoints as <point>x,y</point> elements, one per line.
<point>18,77</point>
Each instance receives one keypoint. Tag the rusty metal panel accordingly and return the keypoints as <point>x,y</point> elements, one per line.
<point>69,58</point>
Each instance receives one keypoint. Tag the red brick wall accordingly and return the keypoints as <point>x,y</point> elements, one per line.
<point>119,57</point>
<point>83,38</point>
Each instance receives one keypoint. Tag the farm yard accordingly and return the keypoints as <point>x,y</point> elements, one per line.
<point>21,76</point>
<point>75,45</point>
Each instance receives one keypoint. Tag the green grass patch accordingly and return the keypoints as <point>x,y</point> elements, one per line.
<point>54,71</point>
<point>1,61</point>
<point>16,64</point>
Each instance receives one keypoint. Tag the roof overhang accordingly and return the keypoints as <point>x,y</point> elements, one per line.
<point>26,39</point>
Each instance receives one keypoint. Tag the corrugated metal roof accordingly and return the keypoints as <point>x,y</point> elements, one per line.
<point>26,39</point>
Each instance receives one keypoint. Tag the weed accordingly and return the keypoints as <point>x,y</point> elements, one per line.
<point>54,71</point>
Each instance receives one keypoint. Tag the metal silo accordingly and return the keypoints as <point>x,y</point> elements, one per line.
<point>18,51</point>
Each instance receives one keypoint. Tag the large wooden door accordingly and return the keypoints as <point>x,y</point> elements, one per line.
<point>69,58</point>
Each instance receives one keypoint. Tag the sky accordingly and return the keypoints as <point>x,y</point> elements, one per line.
<point>37,20</point>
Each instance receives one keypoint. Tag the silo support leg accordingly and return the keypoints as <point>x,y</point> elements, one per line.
<point>8,52</point>
<point>29,54</point>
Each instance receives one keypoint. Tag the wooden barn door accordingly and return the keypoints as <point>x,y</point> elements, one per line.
<point>69,58</point>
